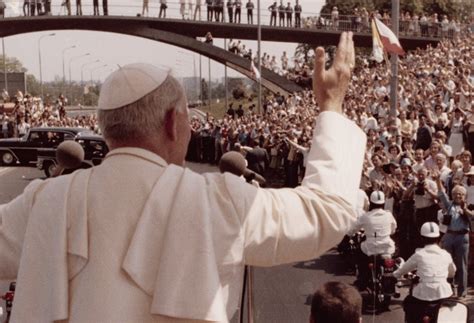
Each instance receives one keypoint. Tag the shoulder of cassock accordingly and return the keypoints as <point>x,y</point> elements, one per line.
<point>58,226</point>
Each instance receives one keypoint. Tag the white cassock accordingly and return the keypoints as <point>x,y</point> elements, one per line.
<point>137,240</point>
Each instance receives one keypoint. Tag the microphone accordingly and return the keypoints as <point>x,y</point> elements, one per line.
<point>69,155</point>
<point>234,163</point>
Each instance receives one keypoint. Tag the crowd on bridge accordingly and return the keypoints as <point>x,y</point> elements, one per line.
<point>280,14</point>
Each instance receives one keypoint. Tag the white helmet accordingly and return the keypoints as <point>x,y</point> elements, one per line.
<point>377,197</point>
<point>429,230</point>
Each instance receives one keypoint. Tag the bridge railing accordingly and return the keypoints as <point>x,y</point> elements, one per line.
<point>174,10</point>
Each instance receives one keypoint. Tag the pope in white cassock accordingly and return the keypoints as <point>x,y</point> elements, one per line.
<point>142,239</point>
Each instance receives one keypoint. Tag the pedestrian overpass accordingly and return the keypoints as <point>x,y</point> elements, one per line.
<point>184,34</point>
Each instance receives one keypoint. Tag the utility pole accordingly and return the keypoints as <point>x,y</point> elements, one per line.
<point>4,64</point>
<point>259,37</point>
<point>394,62</point>
<point>209,90</point>
<point>225,76</point>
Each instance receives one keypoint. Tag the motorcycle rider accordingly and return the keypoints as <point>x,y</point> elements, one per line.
<point>378,224</point>
<point>433,265</point>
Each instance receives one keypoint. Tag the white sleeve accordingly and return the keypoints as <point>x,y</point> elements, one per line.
<point>13,222</point>
<point>336,158</point>
<point>410,265</point>
<point>288,225</point>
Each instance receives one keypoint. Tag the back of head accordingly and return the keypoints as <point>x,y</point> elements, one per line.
<point>429,232</point>
<point>336,302</point>
<point>69,154</point>
<point>134,100</point>
<point>377,200</point>
<point>233,162</point>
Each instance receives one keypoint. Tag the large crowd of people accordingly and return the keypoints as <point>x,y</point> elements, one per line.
<point>30,111</point>
<point>430,138</point>
<point>413,155</point>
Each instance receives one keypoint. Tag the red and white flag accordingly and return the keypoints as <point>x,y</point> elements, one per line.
<point>377,46</point>
<point>389,41</point>
<point>255,71</point>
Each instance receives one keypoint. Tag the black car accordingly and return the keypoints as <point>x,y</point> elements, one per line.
<point>95,150</point>
<point>24,151</point>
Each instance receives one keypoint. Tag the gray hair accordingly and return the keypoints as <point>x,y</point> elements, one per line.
<point>145,116</point>
<point>459,188</point>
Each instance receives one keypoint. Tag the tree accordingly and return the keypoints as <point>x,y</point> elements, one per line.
<point>13,65</point>
<point>32,85</point>
<point>204,90</point>
<point>218,91</point>
<point>305,52</point>
<point>238,92</point>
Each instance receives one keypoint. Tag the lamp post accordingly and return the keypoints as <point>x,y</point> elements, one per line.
<point>64,70</point>
<point>259,54</point>
<point>95,69</point>
<point>70,82</point>
<point>84,65</point>
<point>39,55</point>
<point>82,76</point>
<point>4,65</point>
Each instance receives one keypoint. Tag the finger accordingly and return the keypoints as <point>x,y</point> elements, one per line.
<point>341,51</point>
<point>350,58</point>
<point>319,65</point>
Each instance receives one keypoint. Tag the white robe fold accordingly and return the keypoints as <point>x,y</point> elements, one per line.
<point>137,240</point>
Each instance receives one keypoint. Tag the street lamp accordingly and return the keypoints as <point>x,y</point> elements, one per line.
<point>95,69</point>
<point>39,55</point>
<point>84,65</point>
<point>64,51</point>
<point>70,82</point>
<point>82,77</point>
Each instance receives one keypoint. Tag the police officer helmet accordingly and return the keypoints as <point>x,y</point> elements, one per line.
<point>429,230</point>
<point>377,197</point>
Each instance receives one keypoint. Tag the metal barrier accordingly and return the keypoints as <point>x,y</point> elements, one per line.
<point>174,10</point>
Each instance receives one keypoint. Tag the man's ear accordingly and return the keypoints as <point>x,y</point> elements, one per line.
<point>170,125</point>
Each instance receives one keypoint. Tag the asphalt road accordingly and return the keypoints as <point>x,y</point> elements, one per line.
<point>281,294</point>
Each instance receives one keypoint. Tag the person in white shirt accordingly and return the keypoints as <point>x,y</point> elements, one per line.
<point>444,170</point>
<point>379,225</point>
<point>182,8</point>
<point>433,265</point>
<point>23,128</point>
<point>424,192</point>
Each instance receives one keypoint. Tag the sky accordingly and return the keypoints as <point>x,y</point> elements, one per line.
<point>108,50</point>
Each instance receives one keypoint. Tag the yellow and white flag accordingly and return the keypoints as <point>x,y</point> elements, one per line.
<point>377,46</point>
<point>255,71</point>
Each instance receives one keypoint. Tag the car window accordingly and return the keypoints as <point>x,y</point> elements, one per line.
<point>53,138</point>
<point>98,145</point>
<point>36,137</point>
<point>69,136</point>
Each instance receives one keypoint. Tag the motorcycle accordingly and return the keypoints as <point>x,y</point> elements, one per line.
<point>349,249</point>
<point>8,297</point>
<point>440,311</point>
<point>382,284</point>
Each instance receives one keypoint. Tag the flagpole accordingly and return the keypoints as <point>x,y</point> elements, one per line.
<point>259,55</point>
<point>394,62</point>
<point>4,65</point>
<point>225,75</point>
